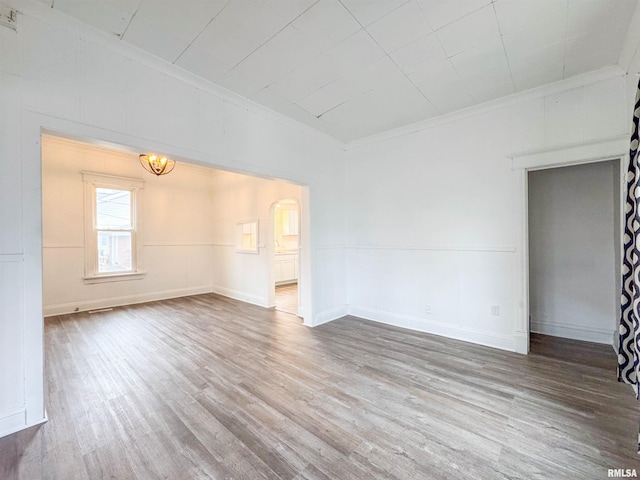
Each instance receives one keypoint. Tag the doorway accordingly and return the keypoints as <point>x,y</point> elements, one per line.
<point>574,226</point>
<point>286,255</point>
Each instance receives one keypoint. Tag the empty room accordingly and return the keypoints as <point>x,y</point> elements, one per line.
<point>319,239</point>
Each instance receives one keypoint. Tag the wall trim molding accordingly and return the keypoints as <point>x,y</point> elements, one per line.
<point>608,148</point>
<point>179,244</point>
<point>575,332</point>
<point>11,257</point>
<point>330,315</point>
<point>86,305</point>
<point>494,340</point>
<point>242,296</point>
<point>451,248</point>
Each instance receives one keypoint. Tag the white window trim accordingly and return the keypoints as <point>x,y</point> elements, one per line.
<point>92,181</point>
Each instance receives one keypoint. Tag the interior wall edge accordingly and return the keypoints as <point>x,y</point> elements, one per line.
<point>330,315</point>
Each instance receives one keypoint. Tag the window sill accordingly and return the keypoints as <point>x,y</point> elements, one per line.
<point>116,277</point>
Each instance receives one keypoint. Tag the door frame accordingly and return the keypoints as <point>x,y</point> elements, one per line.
<point>615,148</point>
<point>271,252</point>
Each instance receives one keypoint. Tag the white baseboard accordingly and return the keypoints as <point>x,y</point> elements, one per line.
<point>575,332</point>
<point>23,425</point>
<point>521,340</point>
<point>242,296</point>
<point>85,305</point>
<point>330,315</point>
<point>12,420</point>
<point>503,342</point>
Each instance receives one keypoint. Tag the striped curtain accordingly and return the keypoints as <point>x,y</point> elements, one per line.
<point>629,346</point>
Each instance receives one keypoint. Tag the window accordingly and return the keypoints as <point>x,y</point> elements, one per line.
<point>112,251</point>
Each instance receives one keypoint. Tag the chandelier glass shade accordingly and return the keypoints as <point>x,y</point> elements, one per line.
<point>156,164</point>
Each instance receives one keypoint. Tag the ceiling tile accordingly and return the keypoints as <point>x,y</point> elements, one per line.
<point>148,37</point>
<point>485,90</point>
<point>180,19</point>
<point>422,52</point>
<point>400,27</point>
<point>439,72</point>
<point>486,61</point>
<point>474,30</point>
<point>275,101</point>
<point>443,12</point>
<point>447,97</point>
<point>377,111</point>
<point>327,23</point>
<point>378,76</point>
<point>368,11</point>
<point>239,29</point>
<point>111,17</point>
<point>586,15</point>
<point>202,64</point>
<point>592,50</point>
<point>513,15</point>
<point>353,53</point>
<point>289,9</point>
<point>535,35</point>
<point>538,68</point>
<point>283,53</point>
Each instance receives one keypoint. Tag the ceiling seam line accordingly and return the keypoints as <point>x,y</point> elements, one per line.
<point>200,32</point>
<point>504,48</point>
<point>130,20</point>
<point>463,16</point>
<point>389,57</point>
<point>270,38</point>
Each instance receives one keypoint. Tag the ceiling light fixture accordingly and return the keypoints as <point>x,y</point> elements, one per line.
<point>156,164</point>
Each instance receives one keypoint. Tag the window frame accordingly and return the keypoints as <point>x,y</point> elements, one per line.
<point>92,181</point>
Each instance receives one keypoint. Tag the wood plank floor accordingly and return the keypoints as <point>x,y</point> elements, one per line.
<point>287,298</point>
<point>208,387</point>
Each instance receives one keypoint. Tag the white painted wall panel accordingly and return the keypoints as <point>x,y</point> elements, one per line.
<point>436,216</point>
<point>10,185</point>
<point>12,338</point>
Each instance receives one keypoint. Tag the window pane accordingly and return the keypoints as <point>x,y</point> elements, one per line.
<point>113,208</point>
<point>114,252</point>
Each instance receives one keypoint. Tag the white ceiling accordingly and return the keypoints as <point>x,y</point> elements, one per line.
<point>353,68</point>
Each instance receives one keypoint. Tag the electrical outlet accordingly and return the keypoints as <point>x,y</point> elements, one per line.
<point>429,312</point>
<point>495,310</point>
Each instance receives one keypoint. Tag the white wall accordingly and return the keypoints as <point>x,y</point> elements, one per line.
<point>240,198</point>
<point>437,213</point>
<point>60,75</point>
<point>176,229</point>
<point>572,251</point>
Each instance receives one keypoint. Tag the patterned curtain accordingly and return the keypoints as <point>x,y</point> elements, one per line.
<point>629,347</point>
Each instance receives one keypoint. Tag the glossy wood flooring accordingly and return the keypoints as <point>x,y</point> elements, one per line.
<point>207,387</point>
<point>287,298</point>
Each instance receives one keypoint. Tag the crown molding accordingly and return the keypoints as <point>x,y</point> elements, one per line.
<point>55,18</point>
<point>52,17</point>
<point>577,81</point>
